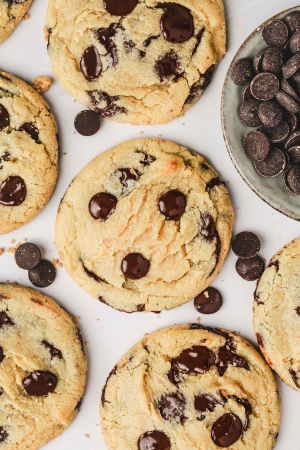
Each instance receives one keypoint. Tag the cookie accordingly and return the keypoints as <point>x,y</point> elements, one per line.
<point>136,62</point>
<point>11,13</point>
<point>145,226</point>
<point>277,314</point>
<point>190,387</point>
<point>28,153</point>
<point>42,368</point>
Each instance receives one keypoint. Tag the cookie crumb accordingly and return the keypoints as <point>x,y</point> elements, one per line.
<point>26,17</point>
<point>12,241</point>
<point>87,435</point>
<point>42,83</point>
<point>46,34</point>
<point>2,250</point>
<point>57,262</point>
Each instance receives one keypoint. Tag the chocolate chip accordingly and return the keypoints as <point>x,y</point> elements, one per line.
<point>30,129</point>
<point>120,7</point>
<point>128,174</point>
<point>287,88</point>
<point>264,86</point>
<point>294,42</point>
<point>90,63</point>
<point>292,180</point>
<point>87,122</point>
<point>247,407</point>
<point>4,117</point>
<point>168,66</point>
<point>3,434</point>
<point>196,359</point>
<point>242,72</point>
<point>27,256</point>
<point>105,104</point>
<point>291,66</point>
<point>172,406</point>
<point>102,205</point>
<point>105,37</point>
<point>292,121</point>
<point>205,402</point>
<point>273,60</point>
<point>257,62</point>
<point>54,352</point>
<point>246,244</point>
<point>172,204</point>
<point>209,301</point>
<point>154,440</point>
<point>43,274</point>
<point>226,355</point>
<point>5,320</point>
<point>1,354</point>
<point>250,269</point>
<point>246,93</point>
<point>287,102</point>
<point>248,113</point>
<point>226,430</point>
<point>273,165</point>
<point>177,23</point>
<point>293,139</point>
<point>293,21</point>
<point>256,145</point>
<point>278,134</point>
<point>270,113</point>
<point>275,33</point>
<point>135,266</point>
<point>208,227</point>
<point>12,191</point>
<point>40,383</point>
<point>298,310</point>
<point>148,159</point>
<point>294,154</point>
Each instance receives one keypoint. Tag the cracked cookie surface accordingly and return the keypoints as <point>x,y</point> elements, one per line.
<point>42,368</point>
<point>277,314</point>
<point>145,226</point>
<point>188,387</point>
<point>28,153</point>
<point>141,61</point>
<point>11,13</point>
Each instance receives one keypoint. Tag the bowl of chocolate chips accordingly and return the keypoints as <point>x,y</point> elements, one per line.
<point>261,112</point>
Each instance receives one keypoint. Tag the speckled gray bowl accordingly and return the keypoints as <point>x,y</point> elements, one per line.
<point>271,190</point>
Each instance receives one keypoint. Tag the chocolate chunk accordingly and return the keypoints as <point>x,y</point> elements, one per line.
<point>128,174</point>
<point>293,139</point>
<point>105,37</point>
<point>196,359</point>
<point>102,205</point>
<point>172,204</point>
<point>27,256</point>
<point>4,117</point>
<point>40,383</point>
<point>87,122</point>
<point>120,7</point>
<point>250,269</point>
<point>294,377</point>
<point>257,62</point>
<point>287,88</point>
<point>242,72</point>
<point>256,145</point>
<point>278,134</point>
<point>54,352</point>
<point>247,407</point>
<point>273,60</point>
<point>246,93</point>
<point>293,21</point>
<point>198,37</point>
<point>148,159</point>
<point>5,320</point>
<point>177,23</point>
<point>135,266</point>
<point>105,104</point>
<point>275,33</point>
<point>43,274</point>
<point>264,86</point>
<point>226,430</point>
<point>208,227</point>
<point>209,301</point>
<point>291,66</point>
<point>248,113</point>
<point>294,43</point>
<point>205,402</point>
<point>270,113</point>
<point>90,63</point>
<point>172,406</point>
<point>287,102</point>
<point>154,440</point>
<point>12,191</point>
<point>168,66</point>
<point>92,274</point>
<point>292,180</point>
<point>246,244</point>
<point>294,154</point>
<point>1,354</point>
<point>273,165</point>
<point>226,355</point>
<point>30,129</point>
<point>298,310</point>
<point>3,434</point>
<point>292,121</point>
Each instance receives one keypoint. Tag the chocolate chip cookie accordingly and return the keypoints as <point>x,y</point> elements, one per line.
<point>42,368</point>
<point>134,61</point>
<point>28,153</point>
<point>145,226</point>
<point>190,387</point>
<point>277,313</point>
<point>11,12</point>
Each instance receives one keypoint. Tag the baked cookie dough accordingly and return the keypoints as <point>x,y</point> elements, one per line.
<point>137,61</point>
<point>42,368</point>
<point>28,153</point>
<point>145,226</point>
<point>11,13</point>
<point>188,387</point>
<point>277,314</point>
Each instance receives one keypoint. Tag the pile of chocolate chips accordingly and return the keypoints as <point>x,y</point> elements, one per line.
<point>270,102</point>
<point>41,272</point>
<point>250,265</point>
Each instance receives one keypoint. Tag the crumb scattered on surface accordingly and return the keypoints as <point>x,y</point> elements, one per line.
<point>2,250</point>
<point>87,435</point>
<point>65,153</point>
<point>12,241</point>
<point>26,17</point>
<point>42,83</point>
<point>57,262</point>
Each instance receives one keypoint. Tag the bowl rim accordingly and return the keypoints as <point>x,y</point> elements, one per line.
<point>226,136</point>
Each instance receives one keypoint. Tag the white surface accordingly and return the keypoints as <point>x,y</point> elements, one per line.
<point>109,333</point>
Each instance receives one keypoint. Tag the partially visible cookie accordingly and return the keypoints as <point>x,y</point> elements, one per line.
<point>28,153</point>
<point>188,387</point>
<point>42,368</point>
<point>146,226</point>
<point>136,61</point>
<point>277,314</point>
<point>11,12</point>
